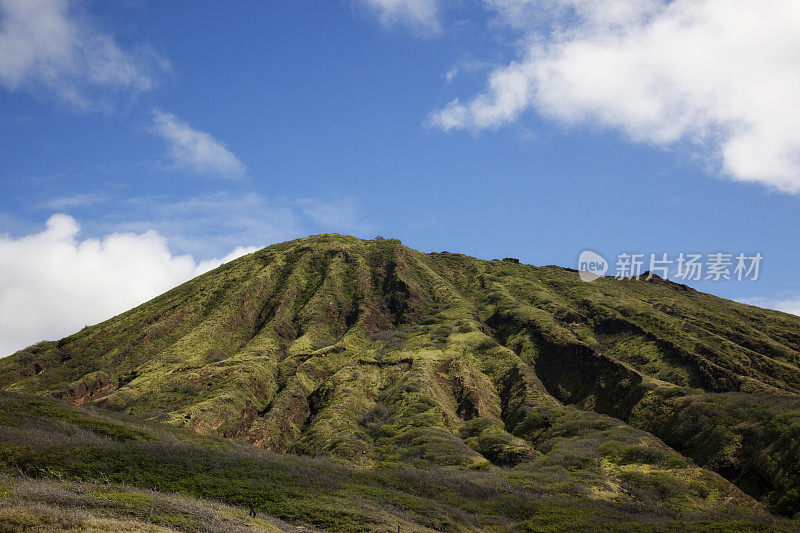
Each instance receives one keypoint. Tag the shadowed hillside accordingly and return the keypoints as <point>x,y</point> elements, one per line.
<point>380,356</point>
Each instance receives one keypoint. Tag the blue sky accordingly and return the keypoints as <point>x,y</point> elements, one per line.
<point>165,137</point>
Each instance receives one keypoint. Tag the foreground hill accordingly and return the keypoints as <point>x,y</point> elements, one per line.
<point>77,468</point>
<point>375,354</point>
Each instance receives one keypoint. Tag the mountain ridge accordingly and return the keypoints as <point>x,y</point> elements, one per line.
<point>379,355</point>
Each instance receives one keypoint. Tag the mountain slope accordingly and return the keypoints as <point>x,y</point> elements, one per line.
<point>83,468</point>
<point>374,353</point>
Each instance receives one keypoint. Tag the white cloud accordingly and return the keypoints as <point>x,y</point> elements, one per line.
<point>74,200</point>
<point>211,224</point>
<point>540,14</point>
<point>339,215</point>
<point>787,303</point>
<point>721,75</point>
<point>421,16</point>
<point>194,149</point>
<point>52,283</point>
<point>788,306</point>
<point>239,251</point>
<point>45,46</point>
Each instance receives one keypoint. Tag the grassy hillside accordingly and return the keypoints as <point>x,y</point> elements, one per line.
<point>65,467</point>
<point>384,358</point>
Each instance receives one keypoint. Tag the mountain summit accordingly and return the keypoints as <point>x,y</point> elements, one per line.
<point>378,355</point>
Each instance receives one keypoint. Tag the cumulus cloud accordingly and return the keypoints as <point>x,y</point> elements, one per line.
<point>52,283</point>
<point>46,47</point>
<point>194,149</point>
<point>720,75</point>
<point>421,16</point>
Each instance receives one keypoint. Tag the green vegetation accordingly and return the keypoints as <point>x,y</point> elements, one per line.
<point>434,390</point>
<point>29,504</point>
<point>61,476</point>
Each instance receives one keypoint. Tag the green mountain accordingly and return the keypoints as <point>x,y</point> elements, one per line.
<point>429,390</point>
